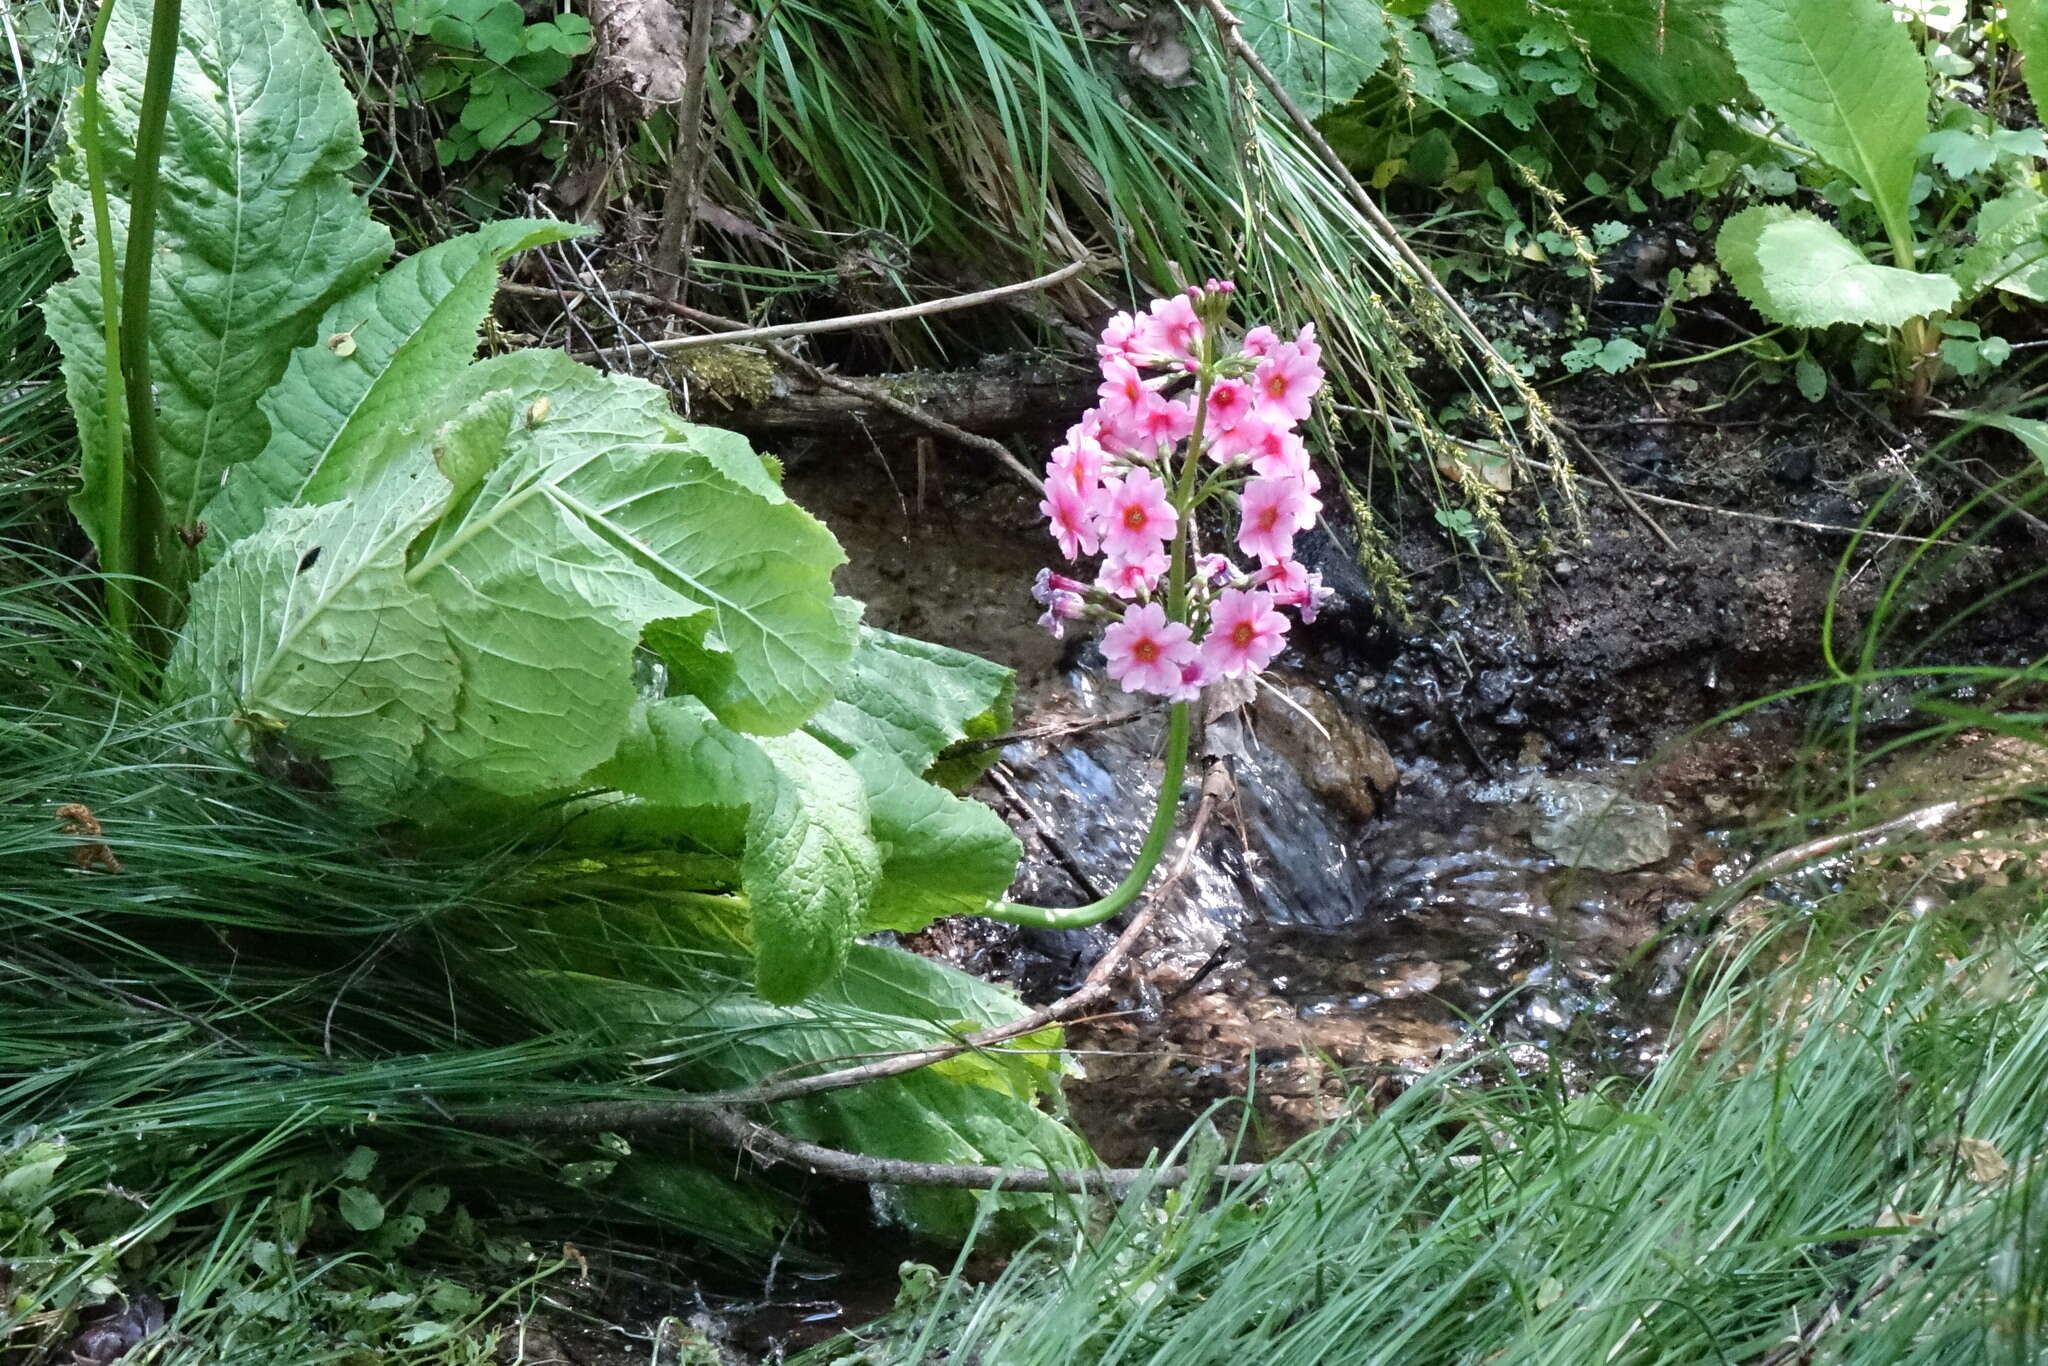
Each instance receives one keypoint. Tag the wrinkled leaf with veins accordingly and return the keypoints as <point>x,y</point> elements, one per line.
<point>258,230</point>
<point>808,861</point>
<point>312,628</point>
<point>1800,271</point>
<point>571,543</point>
<point>1844,76</point>
<point>699,512</point>
<point>379,354</point>
<point>1323,51</point>
<point>899,703</point>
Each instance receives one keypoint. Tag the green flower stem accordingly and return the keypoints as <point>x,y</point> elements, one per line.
<point>1166,814</point>
<point>144,497</point>
<point>1156,839</point>
<point>118,556</point>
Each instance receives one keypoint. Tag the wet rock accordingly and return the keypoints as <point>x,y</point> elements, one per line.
<point>1338,755</point>
<point>111,1331</point>
<point>1587,825</point>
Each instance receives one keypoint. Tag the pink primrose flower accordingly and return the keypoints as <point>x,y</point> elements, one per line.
<point>1123,390</point>
<point>1072,518</point>
<point>1146,652</point>
<point>1117,338</point>
<point>1272,511</point>
<point>1216,570</point>
<point>1306,340</point>
<point>1051,583</point>
<point>1245,633</point>
<point>1063,608</point>
<point>1284,455</point>
<point>1284,383</point>
<point>1260,341</point>
<point>1132,578</point>
<point>1286,580</point>
<point>1162,422</point>
<point>1230,401</point>
<point>1077,464</point>
<point>1136,516</point>
<point>1171,329</point>
<point>1292,585</point>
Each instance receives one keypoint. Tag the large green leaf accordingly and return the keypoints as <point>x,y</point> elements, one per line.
<point>1799,270</point>
<point>258,231</point>
<point>694,508</point>
<point>2011,250</point>
<point>1845,76</point>
<point>809,863</point>
<point>1672,53</point>
<point>580,530</point>
<point>314,635</point>
<point>899,703</point>
<point>380,354</point>
<point>809,868</point>
<point>1322,50</point>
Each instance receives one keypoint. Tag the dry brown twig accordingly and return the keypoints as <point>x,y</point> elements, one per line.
<point>846,323</point>
<point>91,850</point>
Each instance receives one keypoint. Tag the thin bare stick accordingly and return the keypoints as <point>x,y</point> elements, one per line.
<point>1051,730</point>
<point>1916,822</point>
<point>1621,491</point>
<point>848,323</point>
<point>766,1145</point>
<point>624,1116</point>
<point>1042,827</point>
<point>1831,527</point>
<point>679,210</point>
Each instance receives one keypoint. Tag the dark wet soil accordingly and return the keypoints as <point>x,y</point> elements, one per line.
<point>1334,937</point>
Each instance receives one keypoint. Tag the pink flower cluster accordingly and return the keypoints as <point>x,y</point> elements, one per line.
<point>1185,418</point>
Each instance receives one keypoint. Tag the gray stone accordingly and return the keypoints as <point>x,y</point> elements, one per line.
<point>1338,755</point>
<point>1586,825</point>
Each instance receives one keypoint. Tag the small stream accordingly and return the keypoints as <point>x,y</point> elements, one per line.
<point>1356,914</point>
<point>1324,942</point>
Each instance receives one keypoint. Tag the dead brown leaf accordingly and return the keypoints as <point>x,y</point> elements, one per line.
<point>90,852</point>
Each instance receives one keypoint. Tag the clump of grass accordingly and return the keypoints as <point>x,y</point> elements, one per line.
<point>1842,1152</point>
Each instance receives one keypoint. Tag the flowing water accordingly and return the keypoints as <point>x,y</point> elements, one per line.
<point>1355,914</point>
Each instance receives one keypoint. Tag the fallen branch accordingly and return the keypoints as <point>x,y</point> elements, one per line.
<point>847,323</point>
<point>1916,822</point>
<point>766,1145</point>
<point>997,405</point>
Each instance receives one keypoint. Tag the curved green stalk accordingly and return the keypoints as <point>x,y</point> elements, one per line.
<point>1163,817</point>
<point>145,499</point>
<point>1154,848</point>
<point>117,556</point>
